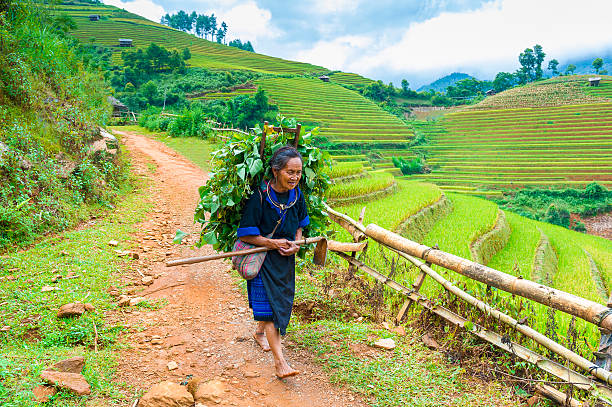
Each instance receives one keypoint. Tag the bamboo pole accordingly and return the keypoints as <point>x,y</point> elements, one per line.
<point>543,340</point>
<point>356,230</point>
<point>588,310</point>
<point>547,365</point>
<point>557,396</point>
<point>335,246</point>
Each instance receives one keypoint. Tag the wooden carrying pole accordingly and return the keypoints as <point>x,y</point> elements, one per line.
<point>192,260</point>
<point>588,310</point>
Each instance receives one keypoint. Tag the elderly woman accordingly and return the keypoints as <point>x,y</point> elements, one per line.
<point>274,217</point>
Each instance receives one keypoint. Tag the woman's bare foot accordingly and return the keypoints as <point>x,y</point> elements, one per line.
<point>284,370</point>
<point>260,338</point>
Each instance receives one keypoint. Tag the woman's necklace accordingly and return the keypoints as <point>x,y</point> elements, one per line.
<point>279,205</point>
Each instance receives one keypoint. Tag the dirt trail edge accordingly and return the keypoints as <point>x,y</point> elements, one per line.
<point>204,323</point>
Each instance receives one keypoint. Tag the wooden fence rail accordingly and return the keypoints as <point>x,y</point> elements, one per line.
<point>423,257</point>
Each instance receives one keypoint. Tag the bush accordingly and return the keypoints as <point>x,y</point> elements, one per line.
<point>415,166</point>
<point>557,215</point>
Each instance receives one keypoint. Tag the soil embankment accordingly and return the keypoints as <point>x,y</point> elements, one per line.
<point>204,323</point>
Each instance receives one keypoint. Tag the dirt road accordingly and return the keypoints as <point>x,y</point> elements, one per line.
<point>204,323</point>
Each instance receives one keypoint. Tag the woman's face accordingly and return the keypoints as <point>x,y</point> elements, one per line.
<point>289,176</point>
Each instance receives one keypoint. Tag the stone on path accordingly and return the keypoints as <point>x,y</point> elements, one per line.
<point>386,343</point>
<point>167,394</point>
<point>48,288</point>
<point>73,382</point>
<point>43,393</point>
<point>172,365</point>
<point>430,342</point>
<point>72,365</point>
<point>123,301</point>
<point>137,300</point>
<point>113,243</point>
<point>73,309</point>
<point>210,391</point>
<point>147,280</point>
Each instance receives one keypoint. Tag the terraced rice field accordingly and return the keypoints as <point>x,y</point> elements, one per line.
<point>547,146</point>
<point>227,95</point>
<point>345,117</point>
<point>603,90</point>
<point>116,23</point>
<point>351,79</point>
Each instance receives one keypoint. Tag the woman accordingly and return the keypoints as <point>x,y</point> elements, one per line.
<point>274,217</point>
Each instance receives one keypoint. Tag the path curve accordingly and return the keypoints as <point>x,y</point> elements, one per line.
<point>205,325</point>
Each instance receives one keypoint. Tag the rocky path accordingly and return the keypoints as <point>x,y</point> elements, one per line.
<point>203,327</point>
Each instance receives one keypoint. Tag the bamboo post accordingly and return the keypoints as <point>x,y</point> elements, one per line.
<point>557,396</point>
<point>582,308</point>
<point>262,143</point>
<point>351,267</point>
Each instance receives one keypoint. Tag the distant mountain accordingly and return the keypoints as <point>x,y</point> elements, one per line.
<point>583,64</point>
<point>441,84</point>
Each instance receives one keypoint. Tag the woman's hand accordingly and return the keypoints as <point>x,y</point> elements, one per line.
<point>278,244</point>
<point>292,249</point>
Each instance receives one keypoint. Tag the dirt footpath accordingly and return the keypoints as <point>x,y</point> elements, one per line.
<point>204,323</point>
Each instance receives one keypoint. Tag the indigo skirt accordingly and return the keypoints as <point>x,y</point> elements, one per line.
<point>258,300</point>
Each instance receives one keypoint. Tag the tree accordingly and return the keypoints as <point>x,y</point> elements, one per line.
<point>503,81</point>
<point>597,64</point>
<point>247,46</point>
<point>224,31</point>
<point>528,62</point>
<point>376,91</point>
<point>570,69</point>
<point>552,67</point>
<point>149,91</point>
<point>213,26</point>
<point>186,54</point>
<point>405,86</point>
<point>539,58</point>
<point>201,24</point>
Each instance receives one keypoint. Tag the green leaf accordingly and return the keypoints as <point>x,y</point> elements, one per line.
<point>241,171</point>
<point>468,325</point>
<point>256,167</point>
<point>179,236</point>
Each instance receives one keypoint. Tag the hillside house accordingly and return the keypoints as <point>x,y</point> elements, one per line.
<point>94,17</point>
<point>490,92</point>
<point>594,81</point>
<point>324,78</point>
<point>125,42</point>
<point>119,109</point>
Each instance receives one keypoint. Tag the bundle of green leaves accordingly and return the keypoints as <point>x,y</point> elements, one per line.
<point>238,170</point>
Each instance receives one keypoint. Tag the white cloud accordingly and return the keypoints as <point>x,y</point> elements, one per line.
<point>145,8</point>
<point>335,54</point>
<point>248,22</point>
<point>334,6</point>
<point>487,39</point>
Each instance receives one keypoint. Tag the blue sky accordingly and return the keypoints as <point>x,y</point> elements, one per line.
<point>417,40</point>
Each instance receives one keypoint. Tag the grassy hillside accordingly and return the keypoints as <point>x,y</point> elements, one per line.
<point>553,134</point>
<point>116,23</point>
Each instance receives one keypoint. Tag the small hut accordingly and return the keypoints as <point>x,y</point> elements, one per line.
<point>324,78</point>
<point>125,42</point>
<point>490,92</point>
<point>94,17</point>
<point>119,109</point>
<point>594,81</point>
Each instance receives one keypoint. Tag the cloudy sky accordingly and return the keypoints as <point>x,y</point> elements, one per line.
<point>420,40</point>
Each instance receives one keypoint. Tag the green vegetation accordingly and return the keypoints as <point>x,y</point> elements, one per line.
<point>51,174</point>
<point>37,338</point>
<point>238,170</point>
<point>408,375</point>
<point>375,181</point>
<point>554,206</point>
<point>201,24</point>
<point>345,169</point>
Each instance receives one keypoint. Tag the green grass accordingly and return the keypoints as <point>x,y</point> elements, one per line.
<point>31,313</point>
<point>375,181</point>
<point>409,375</point>
<point>345,169</point>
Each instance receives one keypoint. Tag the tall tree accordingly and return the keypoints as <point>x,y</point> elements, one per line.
<point>528,62</point>
<point>552,67</point>
<point>213,26</point>
<point>570,69</point>
<point>597,64</point>
<point>539,58</point>
<point>224,29</point>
